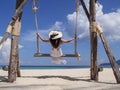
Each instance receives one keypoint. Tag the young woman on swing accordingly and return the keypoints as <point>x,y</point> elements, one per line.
<point>55,38</point>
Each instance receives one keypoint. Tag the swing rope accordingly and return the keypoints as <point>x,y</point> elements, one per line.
<point>76,25</point>
<point>35,8</point>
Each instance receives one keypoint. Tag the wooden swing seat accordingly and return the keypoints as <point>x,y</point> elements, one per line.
<point>48,55</point>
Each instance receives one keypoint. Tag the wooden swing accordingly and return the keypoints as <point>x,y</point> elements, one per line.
<point>38,54</point>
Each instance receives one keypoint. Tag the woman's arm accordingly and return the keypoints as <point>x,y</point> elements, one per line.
<point>44,40</point>
<point>66,41</point>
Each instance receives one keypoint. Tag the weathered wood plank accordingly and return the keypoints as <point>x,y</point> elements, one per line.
<point>48,55</point>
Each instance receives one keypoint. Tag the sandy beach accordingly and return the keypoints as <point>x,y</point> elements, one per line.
<point>60,79</point>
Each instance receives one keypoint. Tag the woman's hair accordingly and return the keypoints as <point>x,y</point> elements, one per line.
<point>55,42</point>
<point>55,38</point>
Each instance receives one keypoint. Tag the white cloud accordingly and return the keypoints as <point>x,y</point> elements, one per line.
<point>31,34</point>
<point>82,24</point>
<point>111,25</point>
<point>5,51</point>
<point>109,21</point>
<point>58,26</point>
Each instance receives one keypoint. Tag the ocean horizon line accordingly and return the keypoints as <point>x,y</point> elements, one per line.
<point>24,67</point>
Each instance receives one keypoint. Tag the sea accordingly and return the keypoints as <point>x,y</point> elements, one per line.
<point>48,67</point>
<point>56,67</point>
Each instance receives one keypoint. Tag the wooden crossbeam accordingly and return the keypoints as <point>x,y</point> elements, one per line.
<point>48,55</point>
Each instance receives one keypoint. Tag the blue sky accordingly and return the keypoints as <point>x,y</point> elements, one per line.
<point>60,14</point>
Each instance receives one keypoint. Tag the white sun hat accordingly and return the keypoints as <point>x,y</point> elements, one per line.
<point>54,34</point>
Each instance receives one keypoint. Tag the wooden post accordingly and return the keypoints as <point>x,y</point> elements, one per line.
<point>93,41</point>
<point>93,37</point>
<point>111,57</point>
<point>13,59</point>
<point>14,69</point>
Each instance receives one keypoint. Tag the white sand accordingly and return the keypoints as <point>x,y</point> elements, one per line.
<point>60,79</point>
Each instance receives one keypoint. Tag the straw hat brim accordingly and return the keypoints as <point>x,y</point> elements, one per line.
<point>57,34</point>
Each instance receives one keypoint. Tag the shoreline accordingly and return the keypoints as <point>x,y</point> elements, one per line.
<point>60,79</point>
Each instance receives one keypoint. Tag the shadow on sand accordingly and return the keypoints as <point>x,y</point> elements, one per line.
<point>85,78</point>
<point>3,79</point>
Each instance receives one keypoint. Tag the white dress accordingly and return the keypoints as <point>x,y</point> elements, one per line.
<point>56,54</point>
